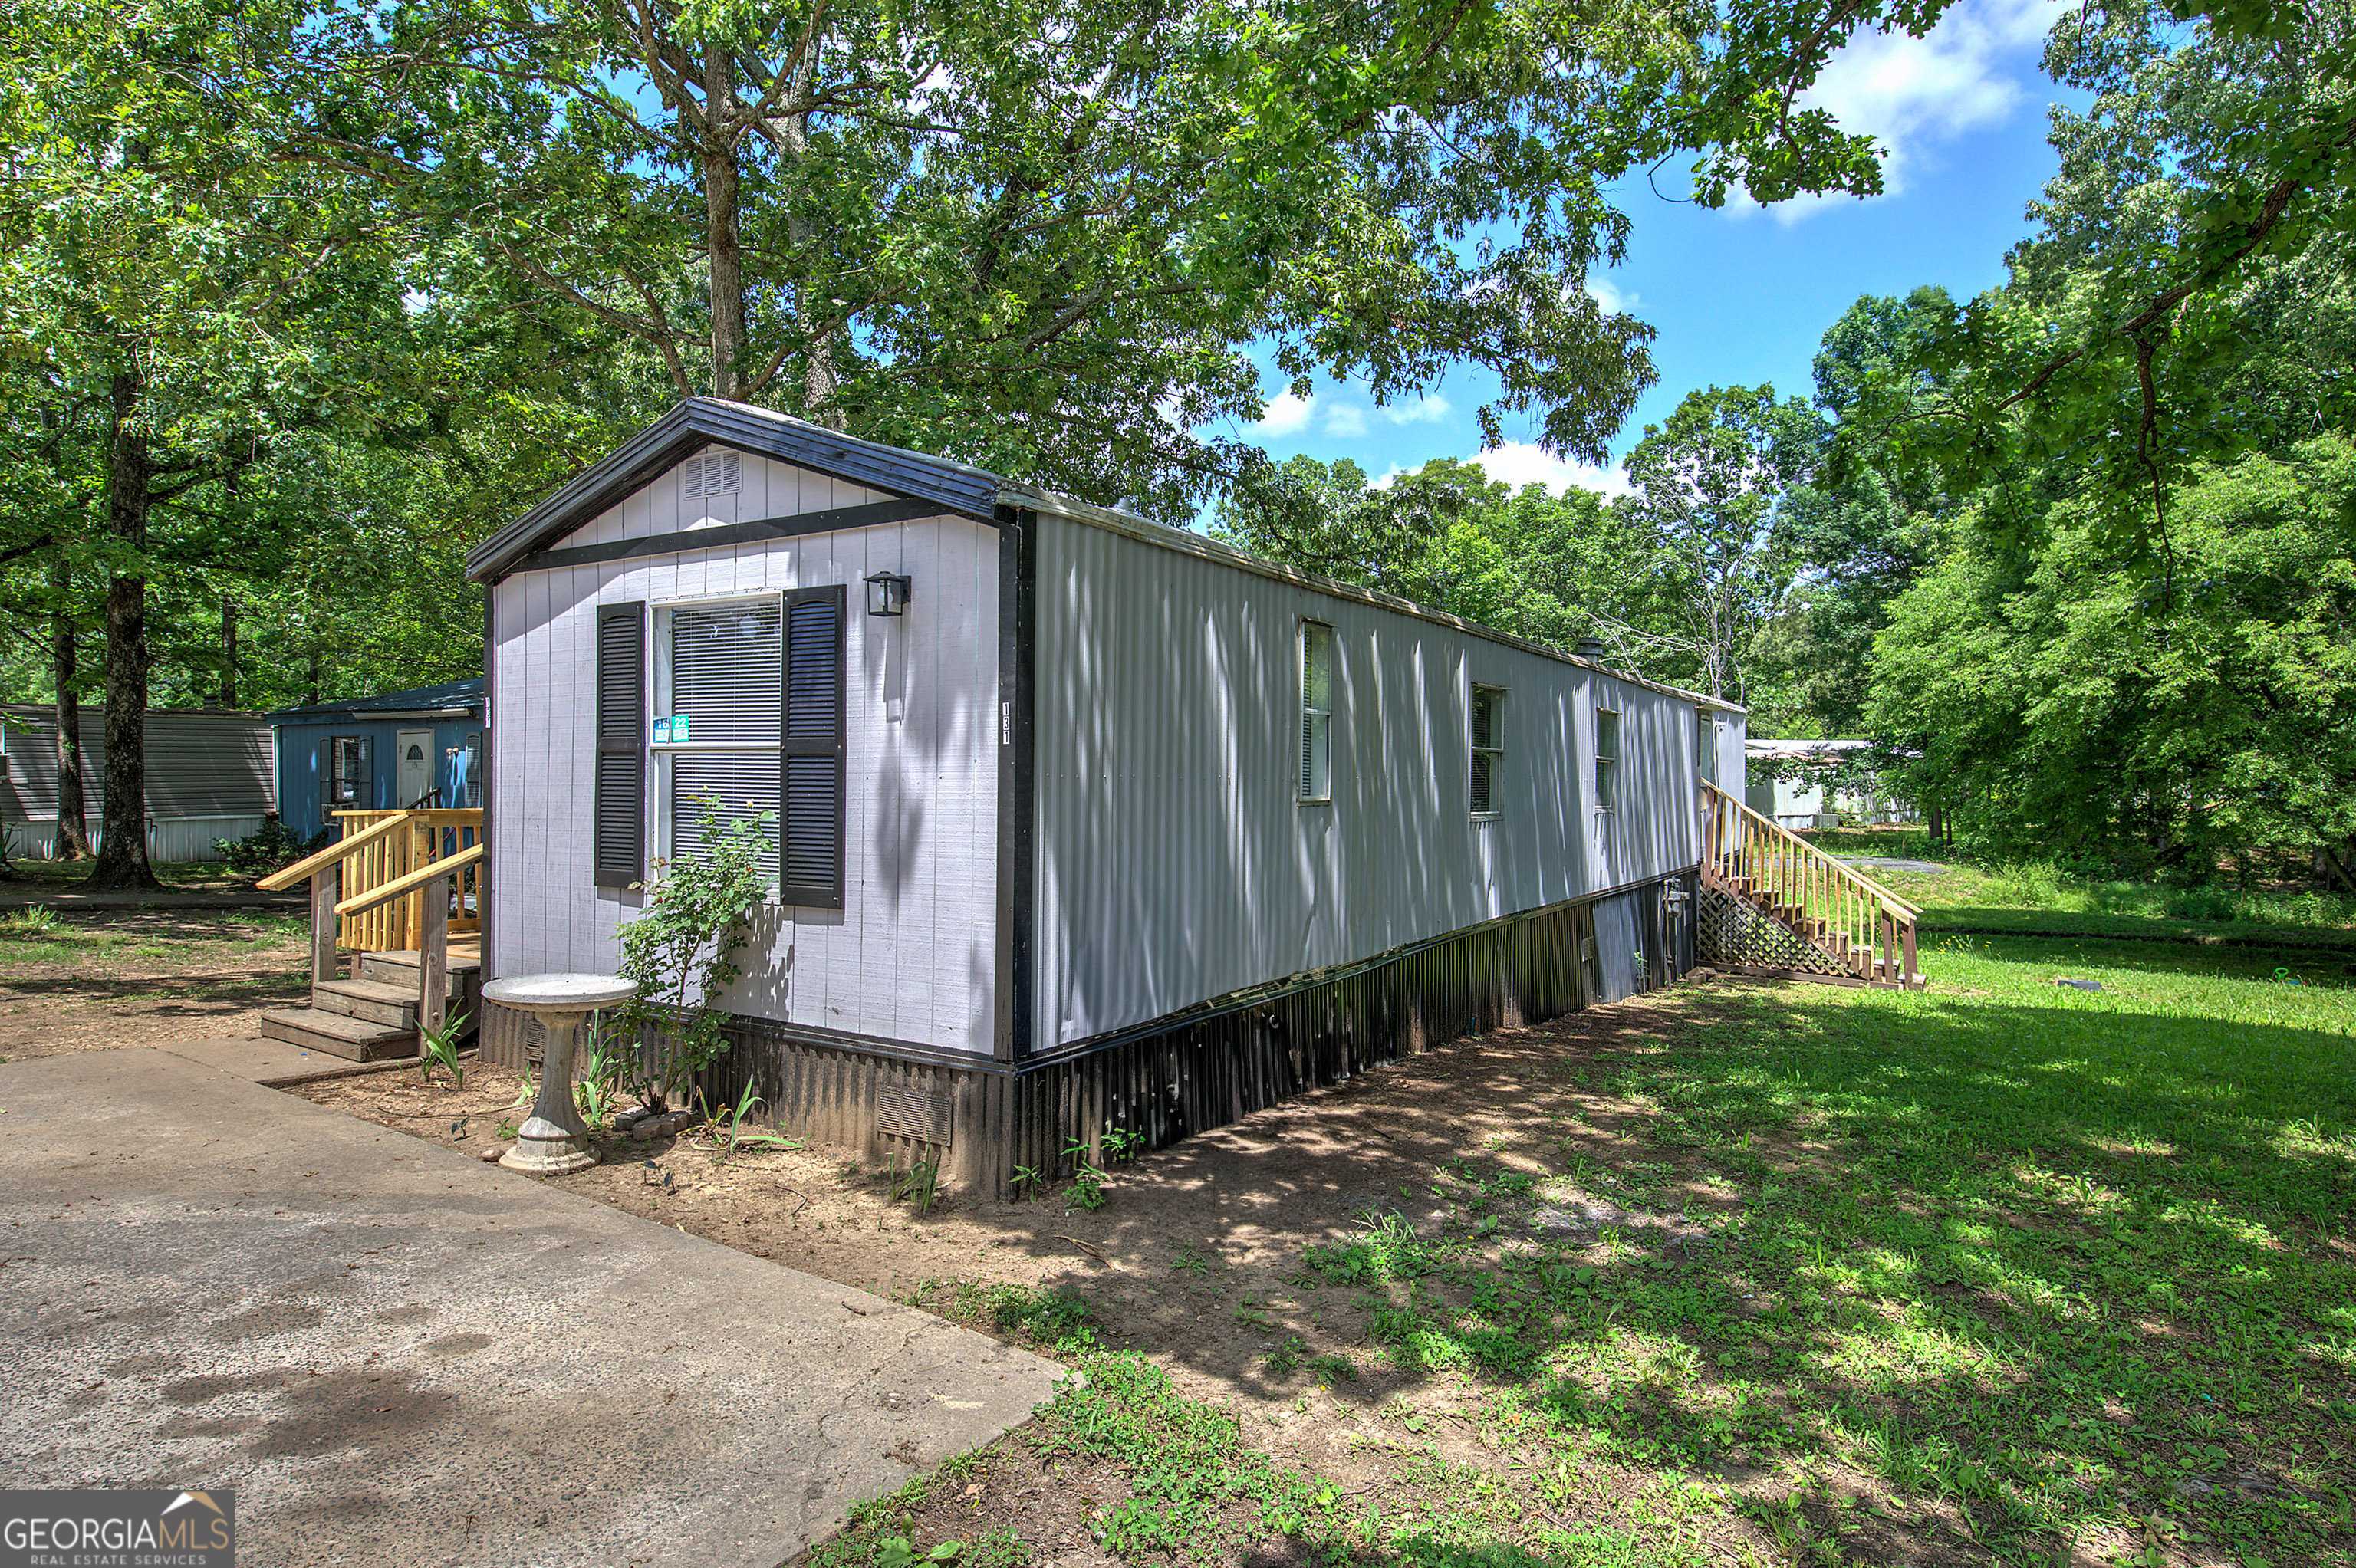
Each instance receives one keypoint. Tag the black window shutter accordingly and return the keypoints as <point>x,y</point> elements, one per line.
<point>364,792</point>
<point>327,781</point>
<point>810,830</point>
<point>620,850</point>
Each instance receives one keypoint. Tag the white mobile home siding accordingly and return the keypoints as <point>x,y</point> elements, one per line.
<point>910,956</point>
<point>1175,863</point>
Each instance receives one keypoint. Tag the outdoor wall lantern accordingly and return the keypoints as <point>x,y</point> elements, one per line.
<point>887,593</point>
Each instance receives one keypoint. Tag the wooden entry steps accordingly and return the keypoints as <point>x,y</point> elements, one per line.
<point>1771,903</point>
<point>402,892</point>
<point>373,1016</point>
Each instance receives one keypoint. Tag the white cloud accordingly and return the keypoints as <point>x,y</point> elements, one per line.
<point>1285,415</point>
<point>1613,299</point>
<point>1516,464</point>
<point>1346,420</point>
<point>1427,409</point>
<point>1909,92</point>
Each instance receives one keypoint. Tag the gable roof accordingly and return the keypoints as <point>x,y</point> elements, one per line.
<point>452,696</point>
<point>954,487</point>
<point>699,423</point>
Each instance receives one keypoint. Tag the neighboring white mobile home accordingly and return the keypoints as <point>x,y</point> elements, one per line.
<point>209,779</point>
<point>1083,822</point>
<point>1793,782</point>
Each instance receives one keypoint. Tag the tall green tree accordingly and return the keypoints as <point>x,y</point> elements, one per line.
<point>2081,714</point>
<point>1051,235</point>
<point>1721,490</point>
<point>190,296</point>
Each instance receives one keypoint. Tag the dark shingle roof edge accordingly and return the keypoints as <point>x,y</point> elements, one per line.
<point>701,422</point>
<point>451,696</point>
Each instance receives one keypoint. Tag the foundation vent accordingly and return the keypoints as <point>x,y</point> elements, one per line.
<point>919,1114</point>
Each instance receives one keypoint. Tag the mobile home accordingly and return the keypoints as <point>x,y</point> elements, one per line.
<point>1080,822</point>
<point>395,749</point>
<point>208,779</point>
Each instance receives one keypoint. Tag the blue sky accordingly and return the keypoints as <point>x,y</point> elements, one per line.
<point>1742,295</point>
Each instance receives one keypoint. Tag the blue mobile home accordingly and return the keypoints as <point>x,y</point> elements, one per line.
<point>402,748</point>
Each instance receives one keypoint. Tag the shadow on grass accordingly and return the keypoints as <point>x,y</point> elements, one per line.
<point>2049,1267</point>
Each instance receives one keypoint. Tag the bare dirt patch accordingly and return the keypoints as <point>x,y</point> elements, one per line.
<point>101,978</point>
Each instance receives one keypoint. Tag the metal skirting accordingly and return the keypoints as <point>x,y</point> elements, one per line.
<point>1166,1080</point>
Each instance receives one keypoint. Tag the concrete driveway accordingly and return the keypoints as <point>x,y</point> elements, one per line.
<point>395,1354</point>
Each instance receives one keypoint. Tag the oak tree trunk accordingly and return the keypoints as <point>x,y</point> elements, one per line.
<point>722,198</point>
<point>65,672</point>
<point>228,652</point>
<point>123,847</point>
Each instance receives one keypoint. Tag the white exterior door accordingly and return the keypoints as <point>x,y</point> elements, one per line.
<point>416,774</point>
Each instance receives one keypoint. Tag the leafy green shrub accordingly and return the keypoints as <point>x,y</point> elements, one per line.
<point>683,950</point>
<point>265,849</point>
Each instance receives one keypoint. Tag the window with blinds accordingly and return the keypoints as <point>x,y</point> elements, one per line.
<point>748,727</point>
<point>1607,758</point>
<point>1488,747</point>
<point>1316,712</point>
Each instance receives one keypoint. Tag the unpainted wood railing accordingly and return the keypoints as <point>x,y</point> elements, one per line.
<point>1855,922</point>
<point>422,837</point>
<point>397,881</point>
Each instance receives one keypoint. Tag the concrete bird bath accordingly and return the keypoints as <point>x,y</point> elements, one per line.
<point>555,1141</point>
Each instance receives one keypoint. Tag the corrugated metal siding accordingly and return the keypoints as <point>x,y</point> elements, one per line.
<point>910,956</point>
<point>199,764</point>
<point>1733,760</point>
<point>1175,861</point>
<point>181,839</point>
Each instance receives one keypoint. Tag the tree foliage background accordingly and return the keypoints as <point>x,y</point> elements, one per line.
<point>298,298</point>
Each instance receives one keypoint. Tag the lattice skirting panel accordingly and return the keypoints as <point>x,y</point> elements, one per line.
<point>1733,934</point>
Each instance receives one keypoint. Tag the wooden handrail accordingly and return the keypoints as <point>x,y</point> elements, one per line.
<point>402,886</point>
<point>1891,901</point>
<point>334,854</point>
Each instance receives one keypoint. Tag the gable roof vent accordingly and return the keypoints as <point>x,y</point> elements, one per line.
<point>713,474</point>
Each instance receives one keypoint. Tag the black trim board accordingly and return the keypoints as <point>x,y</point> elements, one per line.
<point>1018,773</point>
<point>725,535</point>
<point>697,422</point>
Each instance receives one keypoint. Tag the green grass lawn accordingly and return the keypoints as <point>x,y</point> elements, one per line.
<point>103,940</point>
<point>2041,899</point>
<point>2001,1271</point>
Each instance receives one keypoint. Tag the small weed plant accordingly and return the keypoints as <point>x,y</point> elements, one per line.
<point>1087,1190</point>
<point>439,1047</point>
<point>36,919</point>
<point>726,1128</point>
<point>917,1185</point>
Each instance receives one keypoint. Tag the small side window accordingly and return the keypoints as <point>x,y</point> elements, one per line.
<point>1488,747</point>
<point>1706,743</point>
<point>1607,758</point>
<point>1316,712</point>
